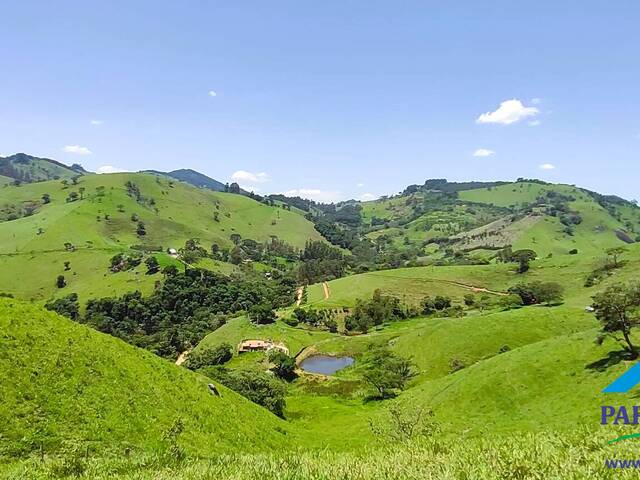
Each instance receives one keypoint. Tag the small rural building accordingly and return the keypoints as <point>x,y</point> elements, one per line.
<point>260,346</point>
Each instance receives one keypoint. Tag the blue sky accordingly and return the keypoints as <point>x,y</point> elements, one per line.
<point>333,99</point>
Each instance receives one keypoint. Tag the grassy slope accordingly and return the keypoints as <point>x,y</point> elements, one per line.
<point>183,212</point>
<point>411,284</point>
<point>450,221</point>
<point>593,235</point>
<point>549,456</point>
<point>39,169</point>
<point>543,386</point>
<point>328,412</point>
<point>5,180</point>
<point>64,382</point>
<point>547,236</point>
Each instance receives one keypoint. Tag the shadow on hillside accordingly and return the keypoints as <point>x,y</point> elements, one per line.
<point>377,398</point>
<point>613,358</point>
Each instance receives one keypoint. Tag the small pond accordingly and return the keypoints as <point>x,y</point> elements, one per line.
<point>324,364</point>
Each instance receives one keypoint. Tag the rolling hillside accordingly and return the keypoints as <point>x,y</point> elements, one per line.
<point>194,178</point>
<point>531,372</point>
<point>103,219</point>
<point>26,168</point>
<point>548,218</point>
<point>506,358</point>
<point>66,385</point>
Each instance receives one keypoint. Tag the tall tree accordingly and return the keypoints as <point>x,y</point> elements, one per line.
<point>618,310</point>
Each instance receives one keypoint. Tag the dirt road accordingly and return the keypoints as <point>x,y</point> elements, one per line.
<point>299,293</point>
<point>182,357</point>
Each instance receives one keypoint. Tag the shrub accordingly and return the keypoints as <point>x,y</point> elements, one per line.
<point>439,303</point>
<point>386,371</point>
<point>284,366</point>
<point>538,292</point>
<point>209,356</point>
<point>259,387</point>
<point>456,365</point>
<point>291,321</point>
<point>509,302</point>
<point>152,265</point>
<point>67,306</point>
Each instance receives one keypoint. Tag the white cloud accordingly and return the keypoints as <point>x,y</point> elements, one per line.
<point>249,177</point>
<point>360,185</point>
<point>212,93</point>
<point>547,166</point>
<point>323,196</point>
<point>110,169</point>
<point>509,111</point>
<point>77,150</point>
<point>483,152</point>
<point>366,197</point>
<point>536,101</point>
<point>96,122</point>
<point>250,188</point>
<point>534,123</point>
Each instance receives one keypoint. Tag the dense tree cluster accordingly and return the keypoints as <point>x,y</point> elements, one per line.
<point>67,306</point>
<point>315,318</point>
<point>125,261</point>
<point>381,308</point>
<point>538,292</point>
<point>180,312</point>
<point>259,387</point>
<point>320,261</point>
<point>209,356</point>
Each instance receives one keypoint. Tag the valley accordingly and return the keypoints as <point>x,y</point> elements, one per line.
<point>463,320</point>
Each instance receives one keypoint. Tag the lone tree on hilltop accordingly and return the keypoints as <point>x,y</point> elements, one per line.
<point>618,310</point>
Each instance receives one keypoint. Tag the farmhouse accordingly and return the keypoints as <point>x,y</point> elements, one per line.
<point>260,345</point>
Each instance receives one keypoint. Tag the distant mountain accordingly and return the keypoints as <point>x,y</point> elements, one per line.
<point>194,178</point>
<point>27,168</point>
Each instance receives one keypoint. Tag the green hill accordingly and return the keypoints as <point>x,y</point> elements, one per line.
<point>494,350</point>
<point>493,374</point>
<point>63,383</point>
<point>27,168</point>
<point>194,178</point>
<point>477,219</point>
<point>102,220</point>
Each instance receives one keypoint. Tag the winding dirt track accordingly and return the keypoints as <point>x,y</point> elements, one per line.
<point>299,293</point>
<point>325,288</point>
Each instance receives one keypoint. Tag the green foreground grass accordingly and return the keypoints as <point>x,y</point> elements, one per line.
<point>578,455</point>
<point>64,384</point>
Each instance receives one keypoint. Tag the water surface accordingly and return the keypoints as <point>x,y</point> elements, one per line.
<point>324,364</point>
